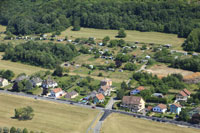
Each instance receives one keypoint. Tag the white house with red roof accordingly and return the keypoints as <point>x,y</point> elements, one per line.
<point>183,95</point>
<point>137,90</point>
<point>106,87</point>
<point>57,92</point>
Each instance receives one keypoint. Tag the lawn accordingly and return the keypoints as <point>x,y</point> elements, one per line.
<point>132,35</point>
<point>18,68</point>
<point>49,117</point>
<point>118,123</point>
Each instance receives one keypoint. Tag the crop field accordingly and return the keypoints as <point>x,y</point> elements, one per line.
<point>163,70</point>
<point>118,123</point>
<point>18,68</point>
<point>49,117</point>
<point>132,36</point>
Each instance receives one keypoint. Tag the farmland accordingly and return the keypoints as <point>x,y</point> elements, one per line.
<point>49,117</point>
<point>18,68</point>
<point>118,123</point>
<point>132,36</point>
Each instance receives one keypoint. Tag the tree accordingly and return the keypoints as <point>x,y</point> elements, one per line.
<point>5,130</point>
<point>58,71</point>
<point>130,66</point>
<point>144,47</point>
<point>19,130</point>
<point>120,94</point>
<point>1,130</point>
<point>105,40</point>
<point>8,74</point>
<point>25,113</point>
<point>183,116</point>
<point>25,130</point>
<point>124,85</point>
<point>100,74</point>
<point>13,130</point>
<point>121,33</point>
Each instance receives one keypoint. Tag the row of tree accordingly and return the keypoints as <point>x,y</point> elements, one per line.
<point>40,16</point>
<point>47,55</point>
<point>7,74</point>
<point>15,130</point>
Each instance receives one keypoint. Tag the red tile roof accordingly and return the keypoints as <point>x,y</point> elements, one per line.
<point>105,87</point>
<point>140,88</point>
<point>56,90</point>
<point>184,92</point>
<point>100,96</point>
<point>149,108</point>
<point>162,106</point>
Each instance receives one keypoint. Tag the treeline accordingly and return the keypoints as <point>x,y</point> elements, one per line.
<point>15,130</point>
<point>190,63</point>
<point>47,55</point>
<point>173,81</point>
<point>40,16</point>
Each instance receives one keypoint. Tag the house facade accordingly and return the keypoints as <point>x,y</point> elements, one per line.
<point>134,103</point>
<point>105,87</point>
<point>183,95</point>
<point>49,83</point>
<point>3,82</point>
<point>160,108</point>
<point>137,90</point>
<point>175,108</point>
<point>57,92</point>
<point>36,81</point>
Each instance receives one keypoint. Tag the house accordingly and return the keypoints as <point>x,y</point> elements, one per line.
<point>106,82</point>
<point>99,98</point>
<point>20,78</point>
<point>49,83</point>
<point>137,90</point>
<point>149,109</point>
<point>175,108</point>
<point>147,57</point>
<point>91,95</point>
<point>36,81</point>
<point>159,95</point>
<point>183,95</point>
<point>134,103</point>
<point>105,90</point>
<point>160,108</point>
<point>57,92</point>
<point>3,82</point>
<point>71,94</point>
<point>194,111</point>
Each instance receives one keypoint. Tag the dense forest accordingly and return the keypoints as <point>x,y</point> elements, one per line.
<point>47,55</point>
<point>39,16</point>
<point>192,42</point>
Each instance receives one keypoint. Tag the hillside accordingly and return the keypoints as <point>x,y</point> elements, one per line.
<point>41,16</point>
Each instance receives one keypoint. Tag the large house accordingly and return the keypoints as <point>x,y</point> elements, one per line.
<point>134,103</point>
<point>175,108</point>
<point>71,94</point>
<point>160,108</point>
<point>57,92</point>
<point>49,83</point>
<point>106,82</point>
<point>137,90</point>
<point>36,81</point>
<point>91,95</point>
<point>99,98</point>
<point>105,88</point>
<point>3,82</point>
<point>183,95</point>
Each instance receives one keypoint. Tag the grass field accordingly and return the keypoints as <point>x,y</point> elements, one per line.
<point>147,37</point>
<point>18,68</point>
<point>118,123</point>
<point>49,117</point>
<point>2,28</point>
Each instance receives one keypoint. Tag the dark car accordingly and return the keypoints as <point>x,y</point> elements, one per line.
<point>93,107</point>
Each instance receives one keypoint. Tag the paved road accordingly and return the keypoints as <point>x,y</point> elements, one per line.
<point>165,120</point>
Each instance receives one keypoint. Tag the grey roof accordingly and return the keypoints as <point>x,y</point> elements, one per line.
<point>20,78</point>
<point>36,80</point>
<point>70,94</point>
<point>48,81</point>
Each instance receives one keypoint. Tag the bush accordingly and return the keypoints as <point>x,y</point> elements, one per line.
<point>25,113</point>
